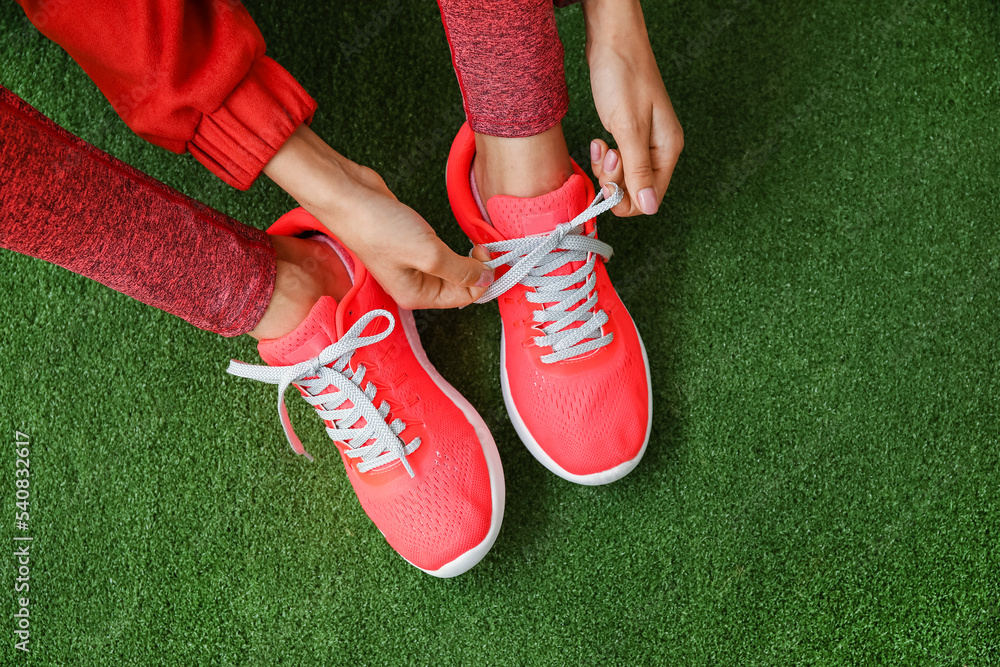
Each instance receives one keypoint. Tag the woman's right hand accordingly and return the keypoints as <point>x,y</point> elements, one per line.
<point>392,240</point>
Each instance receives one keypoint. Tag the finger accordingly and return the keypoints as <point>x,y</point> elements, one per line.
<point>439,293</point>
<point>605,163</point>
<point>638,167</point>
<point>667,143</point>
<point>613,172</point>
<point>481,253</point>
<point>598,149</point>
<point>451,267</point>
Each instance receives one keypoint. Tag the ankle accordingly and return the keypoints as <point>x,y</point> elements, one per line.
<point>305,271</point>
<point>521,167</point>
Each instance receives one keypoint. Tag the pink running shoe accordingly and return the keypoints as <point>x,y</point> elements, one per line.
<point>573,368</point>
<point>419,456</point>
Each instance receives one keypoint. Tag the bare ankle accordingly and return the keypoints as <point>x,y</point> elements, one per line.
<point>522,167</point>
<point>305,271</point>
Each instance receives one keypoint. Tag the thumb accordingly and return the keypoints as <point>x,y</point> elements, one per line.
<point>638,165</point>
<point>462,271</point>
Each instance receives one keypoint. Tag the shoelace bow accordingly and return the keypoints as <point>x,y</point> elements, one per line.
<point>332,368</point>
<point>531,260</point>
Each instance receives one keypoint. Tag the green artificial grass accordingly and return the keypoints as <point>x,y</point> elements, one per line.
<point>818,296</point>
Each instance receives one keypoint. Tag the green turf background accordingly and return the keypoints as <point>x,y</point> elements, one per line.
<point>818,295</point>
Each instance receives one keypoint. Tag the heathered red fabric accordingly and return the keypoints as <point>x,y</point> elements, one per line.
<point>189,75</point>
<point>66,202</point>
<point>509,63</point>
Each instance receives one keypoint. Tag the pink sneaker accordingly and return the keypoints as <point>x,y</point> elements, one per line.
<point>419,456</point>
<point>573,368</point>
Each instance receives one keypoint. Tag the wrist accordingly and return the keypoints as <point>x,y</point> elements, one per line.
<point>319,178</point>
<point>613,23</point>
<point>306,168</point>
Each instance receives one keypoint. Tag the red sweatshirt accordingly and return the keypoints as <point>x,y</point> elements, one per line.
<point>184,75</point>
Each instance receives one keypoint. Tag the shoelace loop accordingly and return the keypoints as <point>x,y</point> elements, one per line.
<point>531,260</point>
<point>332,368</point>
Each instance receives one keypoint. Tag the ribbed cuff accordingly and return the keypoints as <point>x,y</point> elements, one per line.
<point>240,137</point>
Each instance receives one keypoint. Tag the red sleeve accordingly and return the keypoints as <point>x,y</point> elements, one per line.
<point>184,75</point>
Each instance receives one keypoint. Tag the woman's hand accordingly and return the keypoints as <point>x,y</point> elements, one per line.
<point>400,249</point>
<point>632,104</point>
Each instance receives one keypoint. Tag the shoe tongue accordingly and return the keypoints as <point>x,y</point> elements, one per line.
<point>316,332</point>
<point>515,217</point>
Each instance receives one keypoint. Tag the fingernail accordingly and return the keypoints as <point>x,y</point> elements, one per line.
<point>647,201</point>
<point>485,278</point>
<point>609,191</point>
<point>595,151</point>
<point>610,161</point>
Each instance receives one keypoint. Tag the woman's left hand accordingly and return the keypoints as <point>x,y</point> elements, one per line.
<point>633,105</point>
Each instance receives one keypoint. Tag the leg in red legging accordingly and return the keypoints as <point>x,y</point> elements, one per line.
<point>574,374</point>
<point>438,496</point>
<point>509,63</point>
<point>68,203</point>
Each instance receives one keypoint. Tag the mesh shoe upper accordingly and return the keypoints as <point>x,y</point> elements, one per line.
<point>446,508</point>
<point>590,413</point>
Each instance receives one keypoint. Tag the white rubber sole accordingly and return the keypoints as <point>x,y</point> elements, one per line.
<point>498,492</point>
<point>594,479</point>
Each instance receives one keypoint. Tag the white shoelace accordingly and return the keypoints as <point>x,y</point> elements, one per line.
<point>531,260</point>
<point>332,368</point>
